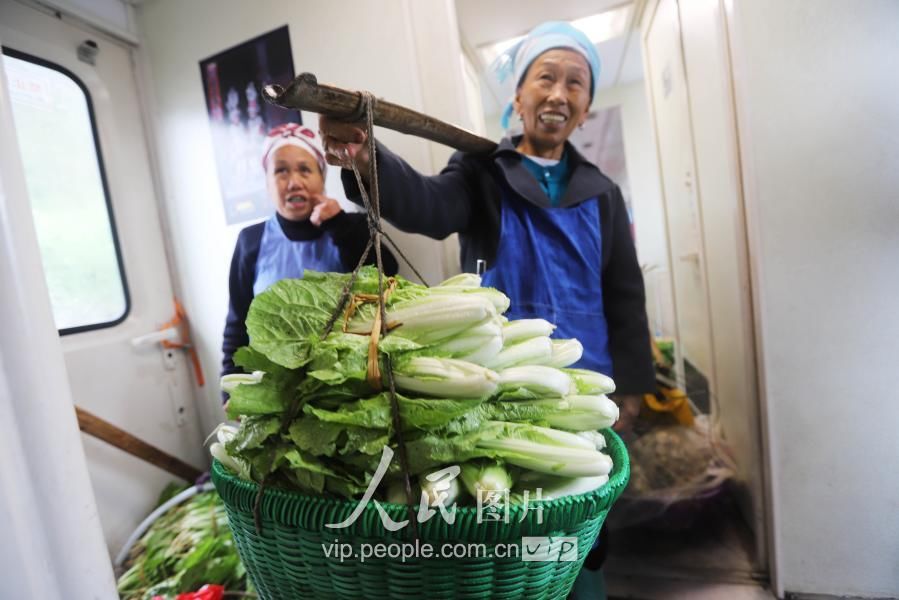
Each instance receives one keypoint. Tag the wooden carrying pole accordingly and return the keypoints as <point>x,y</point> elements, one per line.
<point>109,433</point>
<point>305,93</point>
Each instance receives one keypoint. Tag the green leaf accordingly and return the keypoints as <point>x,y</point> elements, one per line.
<point>340,357</point>
<point>253,433</point>
<point>311,474</point>
<point>372,413</point>
<point>323,438</point>
<point>364,441</point>
<point>252,360</point>
<point>429,413</point>
<point>344,487</point>
<point>416,413</point>
<point>271,395</point>
<point>265,461</point>
<point>286,320</point>
<point>316,437</point>
<point>395,345</point>
<point>263,398</point>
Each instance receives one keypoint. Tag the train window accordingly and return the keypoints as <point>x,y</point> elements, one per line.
<point>66,182</point>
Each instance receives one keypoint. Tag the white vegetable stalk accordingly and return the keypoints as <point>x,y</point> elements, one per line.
<point>543,381</point>
<point>445,378</point>
<point>554,452</point>
<point>577,413</point>
<point>431,318</point>
<point>229,382</point>
<point>224,433</point>
<point>499,300</point>
<point>535,351</point>
<point>439,489</point>
<point>552,460</point>
<point>598,439</point>
<point>234,464</point>
<point>565,353</point>
<point>486,353</point>
<point>482,477</point>
<point>552,488</point>
<point>590,382</point>
<point>525,329</point>
<point>463,280</point>
<point>470,340</point>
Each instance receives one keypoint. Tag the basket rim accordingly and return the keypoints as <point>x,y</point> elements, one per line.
<point>292,507</point>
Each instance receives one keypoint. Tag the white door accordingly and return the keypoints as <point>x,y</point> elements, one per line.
<point>89,183</point>
<point>696,132</point>
<point>670,105</point>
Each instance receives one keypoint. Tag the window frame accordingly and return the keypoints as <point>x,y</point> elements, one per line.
<point>110,213</point>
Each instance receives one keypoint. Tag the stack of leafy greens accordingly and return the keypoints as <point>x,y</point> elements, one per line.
<point>189,546</point>
<point>473,389</point>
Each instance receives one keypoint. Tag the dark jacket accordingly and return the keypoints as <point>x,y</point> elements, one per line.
<point>465,198</point>
<point>350,234</point>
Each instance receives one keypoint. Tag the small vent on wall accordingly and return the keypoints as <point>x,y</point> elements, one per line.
<point>87,52</point>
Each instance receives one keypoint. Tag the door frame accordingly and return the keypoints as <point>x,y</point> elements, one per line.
<point>49,489</point>
<point>644,22</point>
<point>175,423</point>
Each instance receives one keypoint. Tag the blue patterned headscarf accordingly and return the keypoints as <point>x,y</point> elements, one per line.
<point>515,61</point>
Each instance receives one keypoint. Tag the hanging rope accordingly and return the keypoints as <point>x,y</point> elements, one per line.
<point>373,210</point>
<point>372,206</point>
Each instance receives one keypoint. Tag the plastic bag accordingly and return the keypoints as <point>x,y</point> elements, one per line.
<point>675,471</point>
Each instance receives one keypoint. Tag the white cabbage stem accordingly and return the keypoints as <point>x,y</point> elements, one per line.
<point>544,381</point>
<point>525,329</point>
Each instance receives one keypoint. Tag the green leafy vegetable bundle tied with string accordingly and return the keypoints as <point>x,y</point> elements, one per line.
<point>342,366</point>
<point>471,387</point>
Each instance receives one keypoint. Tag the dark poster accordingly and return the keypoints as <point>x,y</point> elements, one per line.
<point>239,118</point>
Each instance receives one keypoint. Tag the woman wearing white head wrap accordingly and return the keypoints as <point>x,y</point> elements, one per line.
<point>307,231</point>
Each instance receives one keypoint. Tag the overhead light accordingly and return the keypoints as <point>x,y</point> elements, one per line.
<point>606,25</point>
<point>598,28</point>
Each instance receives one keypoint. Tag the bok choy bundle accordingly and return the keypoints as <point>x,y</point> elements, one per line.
<point>499,398</point>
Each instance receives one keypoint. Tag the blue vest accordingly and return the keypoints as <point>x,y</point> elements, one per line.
<point>549,263</point>
<point>281,258</point>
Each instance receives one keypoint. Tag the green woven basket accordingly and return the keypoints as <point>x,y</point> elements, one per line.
<point>288,559</point>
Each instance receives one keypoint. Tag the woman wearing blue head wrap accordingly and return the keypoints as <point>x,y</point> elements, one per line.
<point>555,35</point>
<point>552,228</point>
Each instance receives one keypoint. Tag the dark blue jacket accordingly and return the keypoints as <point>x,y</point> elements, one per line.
<point>465,198</point>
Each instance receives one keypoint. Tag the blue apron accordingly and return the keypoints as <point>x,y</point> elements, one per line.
<point>549,263</point>
<point>281,258</point>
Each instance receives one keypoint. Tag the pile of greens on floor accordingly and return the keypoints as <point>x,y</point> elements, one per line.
<point>474,389</point>
<point>187,547</point>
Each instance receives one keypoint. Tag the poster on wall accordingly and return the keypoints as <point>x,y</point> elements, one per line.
<point>239,118</point>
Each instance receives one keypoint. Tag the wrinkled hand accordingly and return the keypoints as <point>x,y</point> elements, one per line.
<point>344,143</point>
<point>324,208</point>
<point>628,411</point>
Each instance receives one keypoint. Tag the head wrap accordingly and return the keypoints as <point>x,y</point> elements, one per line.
<point>547,36</point>
<point>294,135</point>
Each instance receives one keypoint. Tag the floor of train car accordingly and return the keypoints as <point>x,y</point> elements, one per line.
<point>712,558</point>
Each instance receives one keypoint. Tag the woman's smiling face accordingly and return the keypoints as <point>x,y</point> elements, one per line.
<point>553,99</point>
